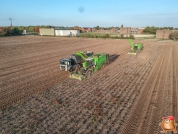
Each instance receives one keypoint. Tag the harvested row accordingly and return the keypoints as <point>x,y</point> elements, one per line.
<point>155,101</point>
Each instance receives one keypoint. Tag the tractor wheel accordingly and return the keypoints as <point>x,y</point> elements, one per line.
<point>83,71</point>
<point>70,70</point>
<point>77,69</point>
<point>92,69</point>
<point>88,73</point>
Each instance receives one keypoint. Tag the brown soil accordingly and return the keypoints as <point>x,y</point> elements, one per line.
<point>130,95</point>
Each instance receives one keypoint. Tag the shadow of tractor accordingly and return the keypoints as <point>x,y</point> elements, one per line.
<point>113,57</point>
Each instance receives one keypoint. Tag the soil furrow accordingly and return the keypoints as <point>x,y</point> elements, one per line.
<point>141,106</point>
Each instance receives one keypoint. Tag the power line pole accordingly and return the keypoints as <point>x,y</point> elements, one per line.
<point>10,21</point>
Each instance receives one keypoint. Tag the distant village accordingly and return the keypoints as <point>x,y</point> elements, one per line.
<point>162,33</point>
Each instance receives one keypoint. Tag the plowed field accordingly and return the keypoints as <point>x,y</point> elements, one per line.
<point>129,96</point>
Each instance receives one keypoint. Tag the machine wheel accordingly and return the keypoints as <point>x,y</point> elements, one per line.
<point>83,71</point>
<point>88,73</point>
<point>70,70</point>
<point>92,69</point>
<point>77,69</point>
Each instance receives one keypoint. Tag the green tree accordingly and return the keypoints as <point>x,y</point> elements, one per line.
<point>21,28</point>
<point>97,27</point>
<point>107,36</point>
<point>16,31</point>
<point>9,31</point>
<point>153,30</point>
<point>31,28</point>
<point>150,30</point>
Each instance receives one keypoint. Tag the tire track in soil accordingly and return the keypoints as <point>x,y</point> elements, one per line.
<point>174,109</point>
<point>161,102</point>
<point>146,115</point>
<point>174,82</point>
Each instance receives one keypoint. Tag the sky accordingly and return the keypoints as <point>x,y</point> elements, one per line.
<point>90,13</point>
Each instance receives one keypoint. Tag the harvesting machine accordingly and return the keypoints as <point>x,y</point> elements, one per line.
<point>135,48</point>
<point>82,64</point>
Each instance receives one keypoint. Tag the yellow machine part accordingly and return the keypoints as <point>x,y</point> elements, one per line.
<point>77,76</point>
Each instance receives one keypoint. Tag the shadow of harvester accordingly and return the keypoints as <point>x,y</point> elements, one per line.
<point>113,57</point>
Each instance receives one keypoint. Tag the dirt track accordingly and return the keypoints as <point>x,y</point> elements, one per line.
<point>130,95</point>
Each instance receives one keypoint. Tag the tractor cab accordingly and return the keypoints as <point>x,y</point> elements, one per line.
<point>65,64</point>
<point>89,62</point>
<point>89,53</point>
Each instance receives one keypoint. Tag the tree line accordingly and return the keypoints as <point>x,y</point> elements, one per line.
<point>102,35</point>
<point>10,31</point>
<point>152,30</point>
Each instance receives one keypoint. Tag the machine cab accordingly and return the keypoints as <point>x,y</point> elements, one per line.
<point>65,64</point>
<point>89,62</point>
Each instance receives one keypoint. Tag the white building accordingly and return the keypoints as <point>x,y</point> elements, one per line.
<point>57,32</point>
<point>67,32</point>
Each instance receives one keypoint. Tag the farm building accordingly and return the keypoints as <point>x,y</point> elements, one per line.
<point>163,34</point>
<point>67,32</point>
<point>57,32</point>
<point>46,31</point>
<point>130,30</point>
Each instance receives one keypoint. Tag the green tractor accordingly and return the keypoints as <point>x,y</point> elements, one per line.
<point>135,48</point>
<point>81,65</point>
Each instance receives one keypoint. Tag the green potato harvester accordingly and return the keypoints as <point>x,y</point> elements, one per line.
<point>83,64</point>
<point>135,47</point>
